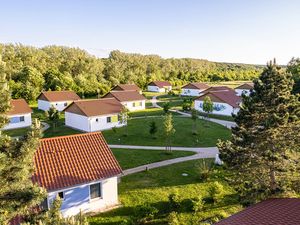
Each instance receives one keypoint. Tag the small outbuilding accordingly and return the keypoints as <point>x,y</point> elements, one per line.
<point>59,99</point>
<point>159,86</point>
<point>193,89</point>
<point>94,114</point>
<point>244,89</point>
<point>19,115</point>
<point>132,100</point>
<point>81,170</point>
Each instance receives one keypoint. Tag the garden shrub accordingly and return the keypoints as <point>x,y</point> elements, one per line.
<point>216,192</point>
<point>174,200</point>
<point>205,169</point>
<point>197,204</point>
<point>173,219</point>
<point>144,213</point>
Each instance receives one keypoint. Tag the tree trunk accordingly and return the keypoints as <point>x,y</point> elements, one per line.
<point>273,184</point>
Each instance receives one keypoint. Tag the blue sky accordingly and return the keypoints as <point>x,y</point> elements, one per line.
<point>219,30</point>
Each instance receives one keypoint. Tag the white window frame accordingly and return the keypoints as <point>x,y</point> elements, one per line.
<point>101,192</point>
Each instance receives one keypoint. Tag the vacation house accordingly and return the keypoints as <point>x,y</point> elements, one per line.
<point>159,86</point>
<point>59,99</point>
<point>193,89</point>
<point>127,87</point>
<point>244,89</point>
<point>79,169</point>
<point>94,115</point>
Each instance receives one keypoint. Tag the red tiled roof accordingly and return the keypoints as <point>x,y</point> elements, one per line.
<point>125,96</point>
<point>57,96</point>
<point>19,106</point>
<point>246,86</point>
<point>160,84</point>
<point>196,85</point>
<point>228,97</point>
<point>217,89</point>
<point>67,161</point>
<point>95,107</point>
<point>126,87</point>
<point>281,211</point>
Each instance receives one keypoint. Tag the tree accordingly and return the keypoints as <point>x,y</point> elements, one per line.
<point>153,129</point>
<point>169,130</point>
<point>166,107</point>
<point>293,67</point>
<point>263,150</point>
<point>124,117</point>
<point>208,105</point>
<point>194,116</point>
<point>4,96</point>
<point>53,115</point>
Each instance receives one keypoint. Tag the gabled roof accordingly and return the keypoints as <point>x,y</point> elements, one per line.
<point>125,96</point>
<point>126,87</point>
<point>281,211</point>
<point>218,89</point>
<point>196,85</point>
<point>228,97</point>
<point>160,84</point>
<point>19,106</point>
<point>57,96</point>
<point>67,161</point>
<point>95,107</point>
<point>246,86</point>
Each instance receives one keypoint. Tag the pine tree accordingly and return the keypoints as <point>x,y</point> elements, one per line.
<point>152,129</point>
<point>18,195</point>
<point>262,152</point>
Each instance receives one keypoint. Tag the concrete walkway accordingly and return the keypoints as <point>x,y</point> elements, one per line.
<point>201,153</point>
<point>45,126</point>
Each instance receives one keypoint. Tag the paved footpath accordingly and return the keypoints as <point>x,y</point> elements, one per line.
<point>201,153</point>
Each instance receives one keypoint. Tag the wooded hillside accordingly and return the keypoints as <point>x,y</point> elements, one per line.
<point>31,70</point>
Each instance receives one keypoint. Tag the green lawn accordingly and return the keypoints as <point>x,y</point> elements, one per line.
<point>138,133</point>
<point>153,188</point>
<point>149,112</point>
<point>129,158</point>
<point>16,132</point>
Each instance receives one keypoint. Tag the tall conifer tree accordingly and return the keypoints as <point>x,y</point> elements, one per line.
<point>263,150</point>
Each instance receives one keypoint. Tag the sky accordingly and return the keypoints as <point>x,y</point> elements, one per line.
<point>240,31</point>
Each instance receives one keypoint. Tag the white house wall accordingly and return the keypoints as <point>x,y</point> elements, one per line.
<point>219,108</point>
<point>89,124</point>
<point>191,92</point>
<point>157,89</point>
<point>60,106</point>
<point>77,199</point>
<point>26,123</point>
<point>239,92</point>
<point>130,107</point>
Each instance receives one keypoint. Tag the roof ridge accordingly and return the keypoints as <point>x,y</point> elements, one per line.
<point>70,135</point>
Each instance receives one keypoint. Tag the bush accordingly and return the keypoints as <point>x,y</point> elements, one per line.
<point>205,169</point>
<point>216,192</point>
<point>171,92</point>
<point>174,200</point>
<point>197,204</point>
<point>166,107</point>
<point>187,105</point>
<point>173,219</point>
<point>145,212</point>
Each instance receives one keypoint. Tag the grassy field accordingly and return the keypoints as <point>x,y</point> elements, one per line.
<point>153,188</point>
<point>138,133</point>
<point>129,158</point>
<point>149,112</point>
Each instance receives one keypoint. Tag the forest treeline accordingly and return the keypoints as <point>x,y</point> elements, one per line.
<point>31,70</point>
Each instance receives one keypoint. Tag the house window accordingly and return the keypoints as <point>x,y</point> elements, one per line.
<point>44,205</point>
<point>61,195</point>
<point>141,103</point>
<point>22,118</point>
<point>65,104</point>
<point>133,104</point>
<point>95,191</point>
<point>17,119</point>
<point>97,120</point>
<point>56,103</point>
<point>108,119</point>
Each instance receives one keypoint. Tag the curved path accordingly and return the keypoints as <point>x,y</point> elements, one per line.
<point>201,153</point>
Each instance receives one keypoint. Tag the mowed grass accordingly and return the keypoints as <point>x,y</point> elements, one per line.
<point>149,112</point>
<point>153,188</point>
<point>138,133</point>
<point>129,158</point>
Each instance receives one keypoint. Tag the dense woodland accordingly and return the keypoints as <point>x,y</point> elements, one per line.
<point>30,70</point>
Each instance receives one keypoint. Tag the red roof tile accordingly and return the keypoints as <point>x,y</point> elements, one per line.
<point>160,84</point>
<point>19,106</point>
<point>126,87</point>
<point>196,85</point>
<point>281,211</point>
<point>67,161</point>
<point>217,89</point>
<point>125,96</point>
<point>246,86</point>
<point>95,107</point>
<point>57,96</point>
